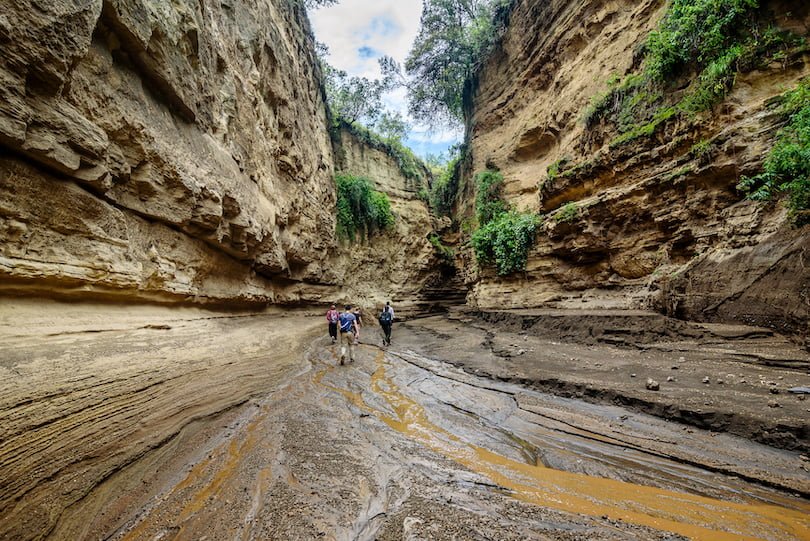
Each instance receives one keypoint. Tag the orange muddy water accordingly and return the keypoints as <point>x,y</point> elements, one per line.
<point>696,517</point>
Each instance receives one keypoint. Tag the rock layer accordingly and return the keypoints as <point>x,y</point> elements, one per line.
<point>654,224</point>
<point>398,264</point>
<point>182,153</point>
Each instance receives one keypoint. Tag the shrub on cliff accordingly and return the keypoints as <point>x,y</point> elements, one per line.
<point>504,236</point>
<point>361,211</point>
<point>445,184</point>
<point>713,40</point>
<point>489,203</point>
<point>786,170</point>
<point>696,32</point>
<point>505,241</point>
<point>409,164</point>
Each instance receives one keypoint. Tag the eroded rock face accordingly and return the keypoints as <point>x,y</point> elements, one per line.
<point>399,264</point>
<point>655,224</point>
<point>162,149</point>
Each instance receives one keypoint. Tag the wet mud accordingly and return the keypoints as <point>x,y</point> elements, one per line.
<point>397,445</point>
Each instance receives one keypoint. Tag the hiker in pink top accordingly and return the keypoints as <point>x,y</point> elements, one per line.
<point>332,317</point>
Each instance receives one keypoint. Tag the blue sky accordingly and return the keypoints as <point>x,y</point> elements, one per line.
<point>358,32</point>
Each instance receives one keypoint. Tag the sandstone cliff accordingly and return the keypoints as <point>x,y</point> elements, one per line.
<point>161,150</point>
<point>180,152</point>
<point>400,264</point>
<point>651,223</point>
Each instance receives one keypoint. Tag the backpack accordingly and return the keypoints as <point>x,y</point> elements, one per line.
<point>346,322</point>
<point>385,317</point>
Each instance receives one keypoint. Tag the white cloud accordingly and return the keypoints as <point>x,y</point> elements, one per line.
<point>387,27</point>
<point>437,136</point>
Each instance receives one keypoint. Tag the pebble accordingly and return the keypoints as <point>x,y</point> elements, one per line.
<point>705,379</point>
<point>652,385</point>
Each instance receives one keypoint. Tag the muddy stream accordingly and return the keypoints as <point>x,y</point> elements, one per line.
<point>502,448</point>
<point>398,445</point>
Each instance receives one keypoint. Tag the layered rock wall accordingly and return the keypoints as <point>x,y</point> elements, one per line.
<point>651,222</point>
<point>180,152</point>
<point>400,264</point>
<point>160,150</point>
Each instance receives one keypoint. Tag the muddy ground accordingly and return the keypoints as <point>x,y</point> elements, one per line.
<point>151,423</point>
<point>724,378</point>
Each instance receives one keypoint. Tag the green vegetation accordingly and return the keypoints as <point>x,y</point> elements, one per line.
<point>699,31</point>
<point>409,165</point>
<point>567,213</point>
<point>445,253</point>
<point>712,39</point>
<point>557,167</point>
<point>504,235</point>
<point>356,104</point>
<point>645,130</point>
<point>454,37</point>
<point>787,168</point>
<point>489,203</point>
<point>683,171</point>
<point>361,211</point>
<point>505,241</point>
<point>445,185</point>
<point>701,150</point>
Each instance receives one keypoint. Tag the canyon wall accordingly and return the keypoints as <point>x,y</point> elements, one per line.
<point>650,223</point>
<point>178,152</point>
<point>399,264</point>
<point>161,151</point>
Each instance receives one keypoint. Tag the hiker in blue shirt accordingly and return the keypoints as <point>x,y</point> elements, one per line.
<point>348,327</point>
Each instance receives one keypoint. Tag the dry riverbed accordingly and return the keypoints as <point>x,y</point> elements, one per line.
<point>150,423</point>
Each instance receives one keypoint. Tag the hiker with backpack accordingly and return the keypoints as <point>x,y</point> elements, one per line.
<point>348,327</point>
<point>332,317</point>
<point>386,320</point>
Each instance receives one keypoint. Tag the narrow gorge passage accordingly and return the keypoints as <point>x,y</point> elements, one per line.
<point>394,446</point>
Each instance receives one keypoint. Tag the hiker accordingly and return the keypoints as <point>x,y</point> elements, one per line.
<point>332,317</point>
<point>386,319</point>
<point>358,314</point>
<point>348,326</point>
